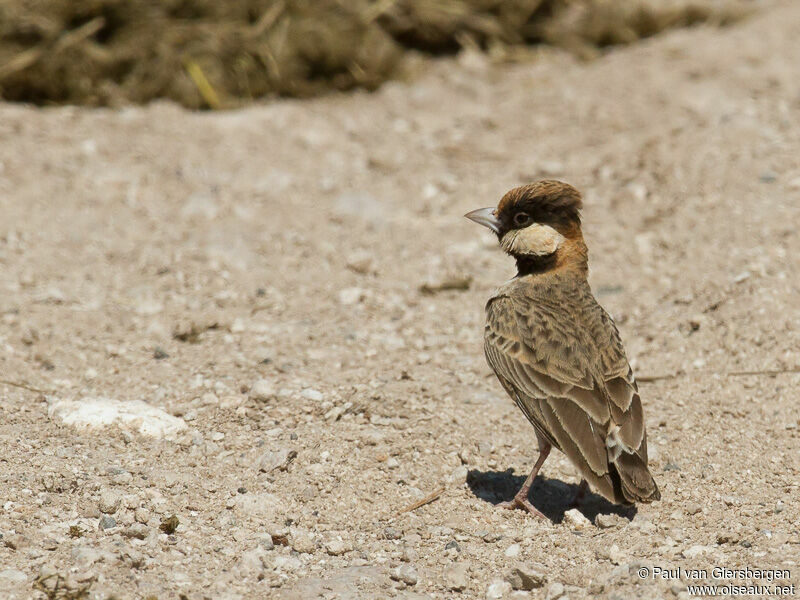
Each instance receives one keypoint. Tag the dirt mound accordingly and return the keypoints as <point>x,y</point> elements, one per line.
<point>203,53</point>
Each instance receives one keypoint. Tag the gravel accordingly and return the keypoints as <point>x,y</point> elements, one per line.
<point>286,199</point>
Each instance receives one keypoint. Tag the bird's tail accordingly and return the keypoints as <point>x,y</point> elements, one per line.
<point>635,482</point>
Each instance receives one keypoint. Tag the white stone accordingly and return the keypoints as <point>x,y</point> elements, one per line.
<point>696,551</point>
<point>351,295</point>
<point>134,415</point>
<point>497,589</point>
<point>513,550</point>
<point>311,394</point>
<point>12,576</point>
<point>574,519</point>
<point>262,390</point>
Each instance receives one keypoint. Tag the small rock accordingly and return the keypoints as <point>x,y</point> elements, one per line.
<point>523,578</point>
<point>251,564</point>
<point>169,525</point>
<point>109,502</point>
<point>94,413</point>
<point>695,551</point>
<point>351,295</point>
<point>262,390</point>
<point>556,590</point>
<point>159,353</point>
<point>456,576</point>
<point>141,515</point>
<point>86,556</point>
<point>452,545</point>
<point>12,577</point>
<point>497,589</point>
<point>107,522</point>
<point>360,262</point>
<point>613,554</point>
<point>336,547</point>
<point>278,460</point>
<point>744,275</point>
<point>390,533</point>
<point>693,508</point>
<point>302,543</point>
<point>50,544</point>
<point>513,550</point>
<point>392,462</point>
<point>609,521</point>
<point>311,394</point>
<point>459,475</point>
<point>266,542</point>
<point>574,519</point>
<point>14,541</point>
<point>728,537</point>
<point>136,530</point>
<point>405,573</point>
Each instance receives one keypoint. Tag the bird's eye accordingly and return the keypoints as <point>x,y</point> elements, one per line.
<point>522,219</point>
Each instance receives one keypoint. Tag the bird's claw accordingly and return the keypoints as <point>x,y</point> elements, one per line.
<point>524,504</point>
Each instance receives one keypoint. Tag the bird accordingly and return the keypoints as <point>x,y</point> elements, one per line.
<point>558,354</point>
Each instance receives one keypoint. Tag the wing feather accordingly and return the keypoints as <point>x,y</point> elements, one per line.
<point>574,383</point>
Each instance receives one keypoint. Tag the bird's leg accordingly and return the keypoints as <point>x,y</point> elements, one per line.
<point>579,495</point>
<point>521,499</point>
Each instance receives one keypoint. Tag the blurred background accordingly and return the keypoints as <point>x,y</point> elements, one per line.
<point>202,53</point>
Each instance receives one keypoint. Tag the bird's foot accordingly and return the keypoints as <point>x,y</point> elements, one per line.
<point>523,503</point>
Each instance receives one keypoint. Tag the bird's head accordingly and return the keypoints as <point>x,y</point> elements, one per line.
<point>539,224</point>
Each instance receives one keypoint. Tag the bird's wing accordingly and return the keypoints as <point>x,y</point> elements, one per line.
<point>571,373</point>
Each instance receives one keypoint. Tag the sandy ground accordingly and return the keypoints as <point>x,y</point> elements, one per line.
<point>257,275</point>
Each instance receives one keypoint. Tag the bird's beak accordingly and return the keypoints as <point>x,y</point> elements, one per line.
<point>485,217</point>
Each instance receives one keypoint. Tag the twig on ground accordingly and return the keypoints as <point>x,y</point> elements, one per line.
<point>23,386</point>
<point>423,501</point>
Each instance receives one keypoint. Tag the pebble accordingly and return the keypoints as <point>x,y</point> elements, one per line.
<point>556,590</point>
<point>513,550</point>
<point>609,521</point>
<point>97,413</point>
<point>302,542</point>
<point>86,556</point>
<point>262,390</point>
<point>696,551</point>
<point>277,460</point>
<point>523,577</point>
<point>392,462</point>
<point>109,502</point>
<point>727,537</point>
<point>574,519</point>
<point>497,589</point>
<point>360,262</point>
<point>136,530</point>
<point>12,576</point>
<point>141,515</point>
<point>390,533</point>
<point>351,295</point>
<point>250,564</point>
<point>336,547</point>
<point>311,394</point>
<point>456,576</point>
<point>459,475</point>
<point>107,522</point>
<point>405,573</point>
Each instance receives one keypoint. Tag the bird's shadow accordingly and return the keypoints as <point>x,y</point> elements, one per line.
<point>551,496</point>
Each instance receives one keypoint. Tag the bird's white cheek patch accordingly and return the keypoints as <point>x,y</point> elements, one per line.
<point>535,240</point>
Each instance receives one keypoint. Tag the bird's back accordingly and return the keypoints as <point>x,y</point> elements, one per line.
<point>559,356</point>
